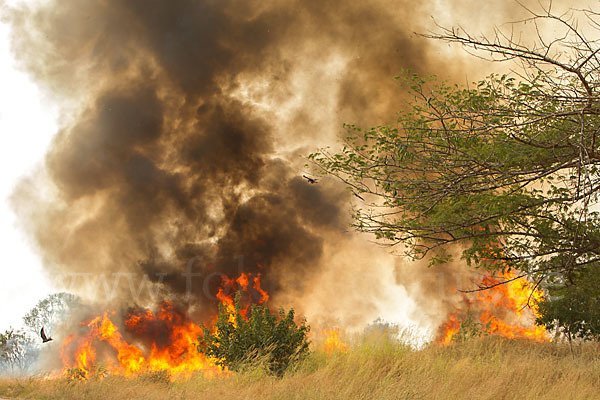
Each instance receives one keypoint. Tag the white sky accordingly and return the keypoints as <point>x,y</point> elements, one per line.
<point>26,127</point>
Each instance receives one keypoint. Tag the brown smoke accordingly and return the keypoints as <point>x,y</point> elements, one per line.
<point>184,122</point>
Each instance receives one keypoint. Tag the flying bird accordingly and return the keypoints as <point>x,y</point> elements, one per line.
<point>310,180</point>
<point>43,335</point>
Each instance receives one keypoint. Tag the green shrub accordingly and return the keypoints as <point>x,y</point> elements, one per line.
<point>275,340</point>
<point>470,328</point>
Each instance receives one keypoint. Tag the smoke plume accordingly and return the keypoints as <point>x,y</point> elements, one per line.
<point>179,156</point>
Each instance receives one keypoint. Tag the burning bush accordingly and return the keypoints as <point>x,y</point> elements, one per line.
<point>262,337</point>
<point>469,328</point>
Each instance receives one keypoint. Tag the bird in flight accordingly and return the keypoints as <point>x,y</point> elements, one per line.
<point>310,180</point>
<point>43,335</point>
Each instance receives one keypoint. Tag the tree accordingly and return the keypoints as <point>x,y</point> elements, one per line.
<point>19,349</point>
<point>49,311</point>
<point>16,351</point>
<point>236,341</point>
<point>507,169</point>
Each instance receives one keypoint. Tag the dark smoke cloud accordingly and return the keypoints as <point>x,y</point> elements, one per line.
<point>163,163</point>
<point>174,151</point>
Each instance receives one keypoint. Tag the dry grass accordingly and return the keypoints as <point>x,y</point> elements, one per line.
<point>374,368</point>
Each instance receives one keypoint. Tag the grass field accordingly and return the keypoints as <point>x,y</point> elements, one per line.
<point>373,368</point>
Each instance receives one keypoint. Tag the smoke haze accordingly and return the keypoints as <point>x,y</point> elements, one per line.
<point>179,156</point>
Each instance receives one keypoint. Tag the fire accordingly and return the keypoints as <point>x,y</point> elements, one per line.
<point>242,285</point>
<point>502,310</point>
<point>164,340</point>
<point>449,329</point>
<point>332,341</point>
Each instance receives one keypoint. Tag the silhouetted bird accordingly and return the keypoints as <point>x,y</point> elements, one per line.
<point>43,335</point>
<point>310,180</point>
<point>357,195</point>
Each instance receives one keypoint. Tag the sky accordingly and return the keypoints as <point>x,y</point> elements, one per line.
<point>27,124</point>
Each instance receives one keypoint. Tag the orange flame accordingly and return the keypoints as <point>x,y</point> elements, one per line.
<point>502,310</point>
<point>332,341</point>
<point>165,340</point>
<point>229,287</point>
<point>449,329</point>
<point>169,335</point>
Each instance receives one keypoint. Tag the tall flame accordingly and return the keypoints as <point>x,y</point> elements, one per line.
<point>241,284</point>
<point>165,340</point>
<point>332,341</point>
<point>505,309</point>
<point>175,352</point>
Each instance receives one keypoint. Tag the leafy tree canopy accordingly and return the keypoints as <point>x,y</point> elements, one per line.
<point>49,311</point>
<point>507,169</point>
<point>16,351</point>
